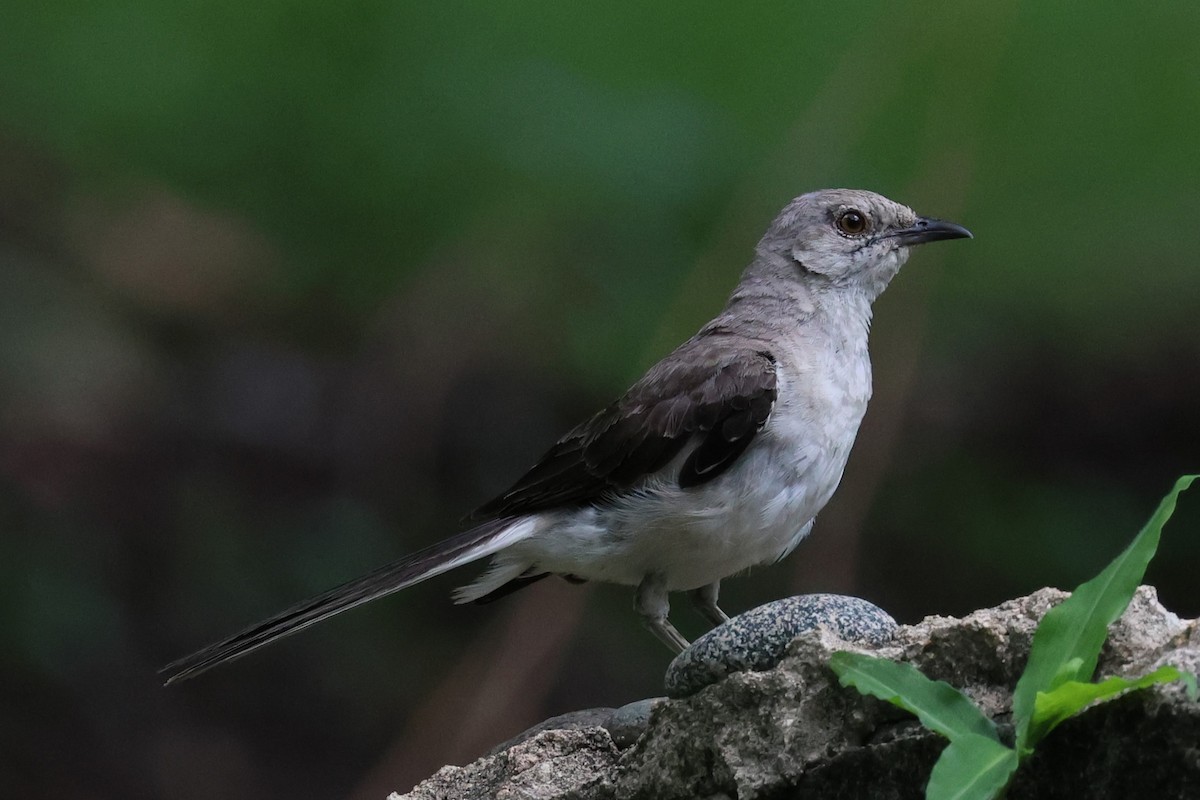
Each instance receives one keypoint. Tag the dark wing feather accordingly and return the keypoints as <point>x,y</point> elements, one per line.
<point>718,391</point>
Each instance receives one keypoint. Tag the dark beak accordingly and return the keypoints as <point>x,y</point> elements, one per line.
<point>927,229</point>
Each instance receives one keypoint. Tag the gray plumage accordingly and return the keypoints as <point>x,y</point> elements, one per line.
<point>718,459</point>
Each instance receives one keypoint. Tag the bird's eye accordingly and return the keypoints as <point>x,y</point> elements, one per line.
<point>852,222</point>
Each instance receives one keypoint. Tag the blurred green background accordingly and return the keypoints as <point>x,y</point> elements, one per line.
<point>286,288</point>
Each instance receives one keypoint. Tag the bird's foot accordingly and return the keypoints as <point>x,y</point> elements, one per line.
<point>705,601</point>
<point>667,634</point>
<point>652,603</point>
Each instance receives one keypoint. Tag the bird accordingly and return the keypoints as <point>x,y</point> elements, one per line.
<point>716,460</point>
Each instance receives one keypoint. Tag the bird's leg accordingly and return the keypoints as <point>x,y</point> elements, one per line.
<point>651,602</point>
<point>705,601</point>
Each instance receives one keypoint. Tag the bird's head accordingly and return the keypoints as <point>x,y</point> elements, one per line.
<point>851,237</point>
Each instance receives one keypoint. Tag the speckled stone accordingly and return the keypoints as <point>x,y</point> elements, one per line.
<point>758,639</point>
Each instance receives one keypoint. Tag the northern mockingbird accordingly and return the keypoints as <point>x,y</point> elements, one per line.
<point>715,461</point>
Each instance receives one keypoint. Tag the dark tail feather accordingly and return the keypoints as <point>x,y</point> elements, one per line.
<point>463,548</point>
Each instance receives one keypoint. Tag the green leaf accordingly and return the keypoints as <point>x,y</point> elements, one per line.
<point>971,768</point>
<point>940,707</point>
<point>1076,628</point>
<point>1068,671</point>
<point>1056,706</point>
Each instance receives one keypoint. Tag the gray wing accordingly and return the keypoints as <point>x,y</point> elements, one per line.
<point>719,391</point>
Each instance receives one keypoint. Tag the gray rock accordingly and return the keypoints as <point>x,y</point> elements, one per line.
<point>759,638</point>
<point>553,765</point>
<point>624,724</point>
<point>791,731</point>
<point>630,721</point>
<point>571,721</point>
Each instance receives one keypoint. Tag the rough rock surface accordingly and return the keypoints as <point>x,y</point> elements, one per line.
<point>549,766</point>
<point>624,724</point>
<point>792,732</point>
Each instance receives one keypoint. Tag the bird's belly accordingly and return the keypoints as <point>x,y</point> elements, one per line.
<point>754,514</point>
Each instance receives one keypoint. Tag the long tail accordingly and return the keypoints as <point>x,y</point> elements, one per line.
<point>463,548</point>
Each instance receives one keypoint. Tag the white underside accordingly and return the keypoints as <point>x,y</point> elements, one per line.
<point>755,513</point>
